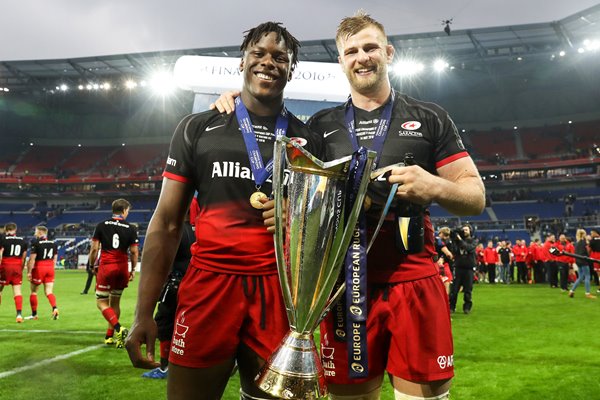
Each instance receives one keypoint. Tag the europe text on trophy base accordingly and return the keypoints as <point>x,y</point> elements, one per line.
<point>310,250</point>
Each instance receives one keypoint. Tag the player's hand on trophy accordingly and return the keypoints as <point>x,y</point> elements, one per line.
<point>142,332</point>
<point>269,214</point>
<point>415,184</point>
<point>226,102</point>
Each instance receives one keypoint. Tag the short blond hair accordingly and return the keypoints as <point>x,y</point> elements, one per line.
<point>352,25</point>
<point>445,230</point>
<point>42,229</point>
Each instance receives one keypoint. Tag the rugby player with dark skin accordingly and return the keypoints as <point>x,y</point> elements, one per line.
<point>365,56</point>
<point>266,67</point>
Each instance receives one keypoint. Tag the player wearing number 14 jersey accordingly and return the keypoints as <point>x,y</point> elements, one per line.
<point>13,249</point>
<point>41,270</point>
<point>116,238</point>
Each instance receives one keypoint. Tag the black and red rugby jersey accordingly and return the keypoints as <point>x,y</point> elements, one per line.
<point>115,236</point>
<point>13,249</point>
<point>44,251</point>
<point>422,129</point>
<point>208,152</point>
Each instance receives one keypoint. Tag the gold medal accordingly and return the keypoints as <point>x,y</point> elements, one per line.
<point>255,199</point>
<point>367,203</point>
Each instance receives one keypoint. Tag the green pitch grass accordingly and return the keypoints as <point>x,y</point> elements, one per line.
<point>520,342</point>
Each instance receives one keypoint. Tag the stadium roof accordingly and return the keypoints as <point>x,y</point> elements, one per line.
<point>470,49</point>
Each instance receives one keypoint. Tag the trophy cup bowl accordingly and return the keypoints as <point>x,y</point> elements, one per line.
<point>310,250</point>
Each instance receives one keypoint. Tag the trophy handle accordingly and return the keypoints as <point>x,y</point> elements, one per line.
<point>279,154</point>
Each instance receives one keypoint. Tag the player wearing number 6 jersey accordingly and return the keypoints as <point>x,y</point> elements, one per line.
<point>115,237</point>
<point>41,270</point>
<point>13,249</point>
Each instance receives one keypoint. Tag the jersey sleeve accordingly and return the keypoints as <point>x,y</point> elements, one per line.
<point>449,144</point>
<point>96,235</point>
<point>180,162</point>
<point>33,247</point>
<point>134,237</point>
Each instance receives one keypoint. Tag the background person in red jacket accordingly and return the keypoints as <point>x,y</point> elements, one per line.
<point>520,252</point>
<point>539,268</point>
<point>594,243</point>
<point>564,262</point>
<point>491,260</point>
<point>550,261</point>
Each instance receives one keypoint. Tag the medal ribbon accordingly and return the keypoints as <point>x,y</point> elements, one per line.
<point>356,275</point>
<point>356,255</point>
<point>380,132</point>
<point>260,171</point>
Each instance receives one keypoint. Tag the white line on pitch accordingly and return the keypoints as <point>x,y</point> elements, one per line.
<point>49,331</point>
<point>49,361</point>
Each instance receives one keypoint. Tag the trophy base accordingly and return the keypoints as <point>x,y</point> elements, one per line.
<point>294,371</point>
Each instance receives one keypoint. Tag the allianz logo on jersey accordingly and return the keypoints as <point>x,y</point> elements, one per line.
<point>233,169</point>
<point>409,128</point>
<point>368,122</point>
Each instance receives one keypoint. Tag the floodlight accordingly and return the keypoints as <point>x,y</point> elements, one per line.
<point>581,50</point>
<point>162,83</point>
<point>95,86</point>
<point>105,86</point>
<point>440,65</point>
<point>80,87</point>
<point>130,84</point>
<point>63,87</point>
<point>408,68</point>
<point>591,45</point>
<point>88,86</point>
<point>515,127</point>
<point>562,53</point>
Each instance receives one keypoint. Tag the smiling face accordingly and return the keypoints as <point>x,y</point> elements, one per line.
<point>267,69</point>
<point>364,57</point>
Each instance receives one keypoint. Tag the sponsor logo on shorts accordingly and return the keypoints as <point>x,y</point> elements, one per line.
<point>178,343</point>
<point>327,360</point>
<point>445,361</point>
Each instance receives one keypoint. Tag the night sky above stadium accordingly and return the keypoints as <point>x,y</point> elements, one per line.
<point>37,29</point>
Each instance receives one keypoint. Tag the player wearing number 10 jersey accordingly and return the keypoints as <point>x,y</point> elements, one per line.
<point>13,249</point>
<point>41,270</point>
<point>115,237</point>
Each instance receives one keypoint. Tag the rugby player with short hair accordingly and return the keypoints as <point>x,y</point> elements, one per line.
<point>420,365</point>
<point>413,344</point>
<point>40,270</point>
<point>230,306</point>
<point>114,238</point>
<point>13,250</point>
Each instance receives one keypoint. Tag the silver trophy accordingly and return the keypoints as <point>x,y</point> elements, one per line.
<point>310,250</point>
